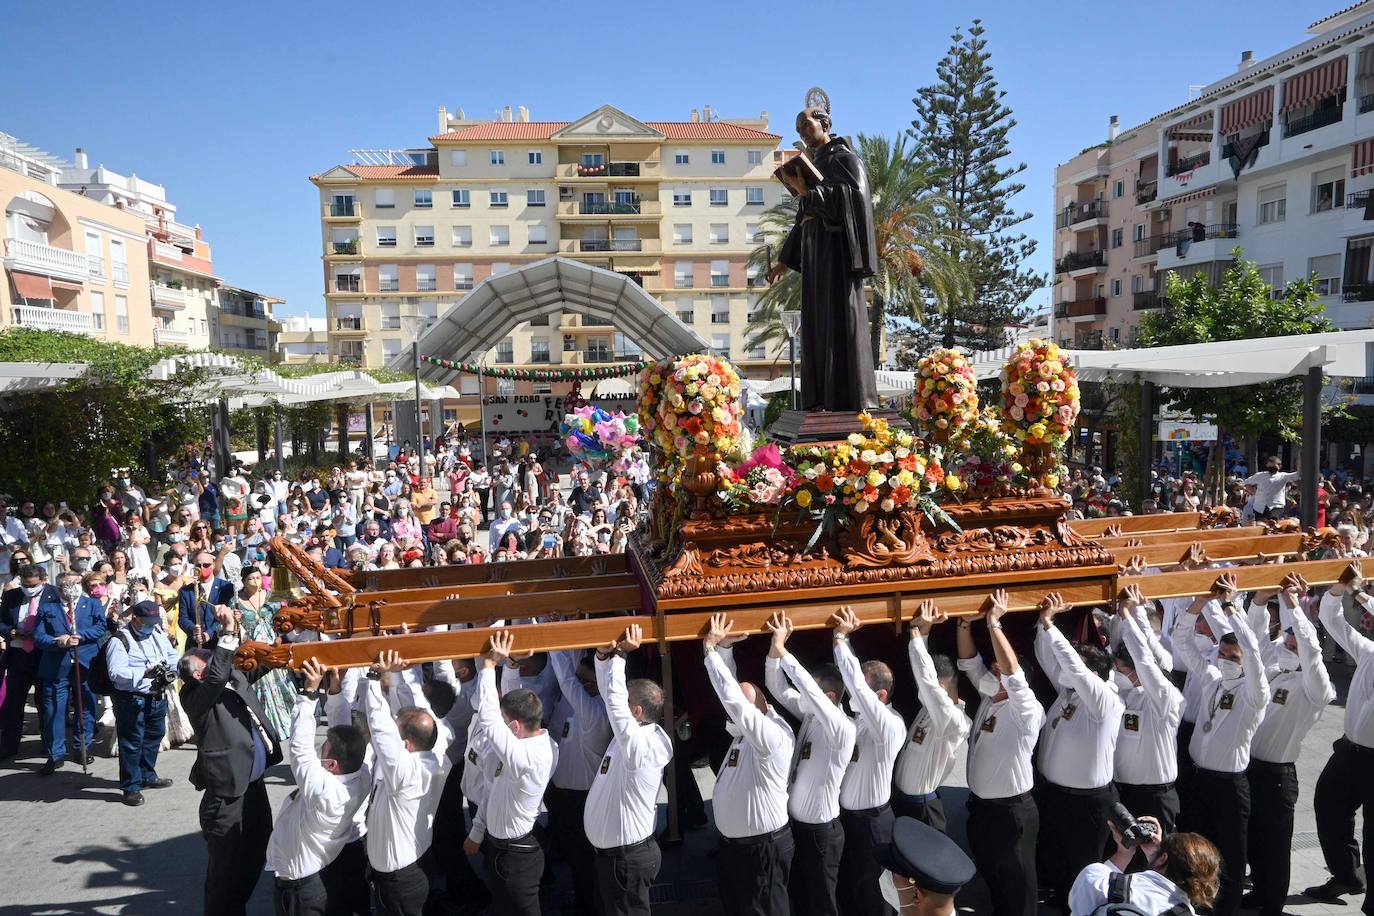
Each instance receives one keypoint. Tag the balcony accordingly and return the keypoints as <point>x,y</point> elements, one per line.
<point>351,359</point>
<point>342,210</point>
<point>1205,243</point>
<point>1146,191</point>
<point>1323,118</point>
<point>647,169</point>
<point>592,171</point>
<point>1082,309</point>
<point>1081,213</point>
<point>168,297</point>
<point>1366,104</point>
<point>1148,247</point>
<point>348,283</point>
<point>624,169</point>
<point>606,208</point>
<point>348,247</point>
<point>44,319</point>
<point>609,246</point>
<point>1358,200</point>
<point>1147,300</point>
<point>1357,292</point>
<point>1188,163</point>
<point>349,325</point>
<point>1229,149</point>
<point>170,336</point>
<point>50,261</point>
<point>1081,261</point>
<point>637,209</point>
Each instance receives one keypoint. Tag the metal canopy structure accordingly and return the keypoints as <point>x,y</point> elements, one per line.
<point>502,301</point>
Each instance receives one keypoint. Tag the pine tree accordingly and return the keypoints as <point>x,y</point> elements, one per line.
<point>961,126</point>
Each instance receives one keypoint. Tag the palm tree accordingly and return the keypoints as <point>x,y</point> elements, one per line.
<point>918,257</point>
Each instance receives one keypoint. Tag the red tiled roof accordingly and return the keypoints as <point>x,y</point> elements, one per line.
<point>709,130</point>
<point>394,171</point>
<point>544,130</point>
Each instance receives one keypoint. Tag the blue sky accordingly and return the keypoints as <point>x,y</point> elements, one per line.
<point>232,106</point>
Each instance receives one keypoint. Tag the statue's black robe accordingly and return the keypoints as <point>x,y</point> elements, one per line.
<point>832,246</point>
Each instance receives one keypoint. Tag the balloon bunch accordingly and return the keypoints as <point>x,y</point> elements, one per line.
<point>591,434</point>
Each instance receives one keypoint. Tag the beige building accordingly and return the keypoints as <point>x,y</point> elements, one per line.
<point>243,325</point>
<point>71,263</point>
<point>675,204</point>
<point>301,340</point>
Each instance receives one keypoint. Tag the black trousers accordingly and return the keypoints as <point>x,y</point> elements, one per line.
<point>1343,788</point>
<point>345,881</point>
<point>1187,803</point>
<point>1273,798</point>
<point>624,876</point>
<point>21,674</point>
<point>1222,815</point>
<point>1073,833</point>
<point>304,897</point>
<point>1160,802</point>
<point>401,892</point>
<point>864,831</point>
<point>815,868</point>
<point>565,807</point>
<point>1001,836</point>
<point>461,882</point>
<point>752,873</point>
<point>236,831</point>
<point>927,809</point>
<point>514,868</point>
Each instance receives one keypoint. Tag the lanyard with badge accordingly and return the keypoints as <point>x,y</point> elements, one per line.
<point>1225,699</point>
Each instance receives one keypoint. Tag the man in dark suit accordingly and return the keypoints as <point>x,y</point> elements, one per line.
<point>72,626</point>
<point>199,601</point>
<point>18,623</point>
<point>235,745</point>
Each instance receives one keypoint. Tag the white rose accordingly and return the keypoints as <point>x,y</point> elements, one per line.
<point>861,506</point>
<point>887,505</point>
<point>868,456</point>
<point>855,439</point>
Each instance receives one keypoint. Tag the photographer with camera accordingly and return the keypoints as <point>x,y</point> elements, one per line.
<point>1183,871</point>
<point>142,665</point>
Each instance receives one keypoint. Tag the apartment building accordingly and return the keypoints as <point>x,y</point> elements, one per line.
<point>302,339</point>
<point>71,263</point>
<point>1276,157</point>
<point>242,323</point>
<point>676,205</point>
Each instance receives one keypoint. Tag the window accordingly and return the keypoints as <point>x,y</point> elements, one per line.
<point>756,352</point>
<point>753,233</point>
<point>539,235</point>
<point>720,344</point>
<point>682,275</point>
<point>681,158</point>
<point>753,196</point>
<point>686,312</point>
<point>505,351</point>
<point>461,198</point>
<point>97,310</point>
<point>593,160</point>
<point>1118,237</point>
<point>1273,206</point>
<point>536,157</point>
<point>119,264</point>
<point>1138,232</point>
<point>719,197</point>
<point>498,199</point>
<point>458,158</point>
<point>720,310</point>
<point>505,387</point>
<point>498,157</point>
<point>95,258</point>
<point>424,236</point>
<point>122,314</point>
<point>682,234</point>
<point>384,198</point>
<point>682,197</point>
<point>1116,287</point>
<point>390,350</point>
<point>1137,283</point>
<point>424,200</point>
<point>499,267</point>
<point>348,282</point>
<point>717,157</point>
<point>386,236</point>
<point>499,235</point>
<point>720,233</point>
<point>539,349</point>
<point>1326,273</point>
<point>1119,188</point>
<point>756,157</point>
<point>462,276</point>
<point>1273,275</point>
<point>388,280</point>
<point>534,197</point>
<point>1328,189</point>
<point>753,276</point>
<point>425,278</point>
<point>462,236</point>
<point>720,273</point>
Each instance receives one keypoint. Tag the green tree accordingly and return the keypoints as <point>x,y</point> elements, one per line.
<point>961,127</point>
<point>1241,307</point>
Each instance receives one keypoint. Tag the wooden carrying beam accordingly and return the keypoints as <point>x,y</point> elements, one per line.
<point>471,574</point>
<point>1203,535</point>
<point>1238,548</point>
<point>1133,524</point>
<point>1248,578</point>
<point>490,589</point>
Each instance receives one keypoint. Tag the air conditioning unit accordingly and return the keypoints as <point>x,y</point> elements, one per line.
<point>1162,214</point>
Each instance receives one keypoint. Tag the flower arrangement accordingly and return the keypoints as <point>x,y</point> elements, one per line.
<point>765,479</point>
<point>946,393</point>
<point>690,407</point>
<point>1039,405</point>
<point>985,457</point>
<point>593,435</point>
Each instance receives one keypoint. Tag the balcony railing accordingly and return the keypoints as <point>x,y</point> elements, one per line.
<point>348,324</point>
<point>1077,213</point>
<point>539,356</point>
<point>624,170</point>
<point>599,208</point>
<point>1366,103</point>
<point>1201,234</point>
<point>1358,292</point>
<point>341,209</point>
<point>1363,385</point>
<point>1229,149</point>
<point>1322,118</point>
<point>351,359</point>
<point>349,247</point>
<point>1077,260</point>
<point>1082,308</point>
<point>1358,200</point>
<point>44,319</point>
<point>165,335</point>
<point>36,257</point>
<point>1146,191</point>
<point>611,245</point>
<point>169,296</point>
<point>591,171</point>
<point>1188,163</point>
<point>719,281</point>
<point>1147,299</point>
<point>1148,246</point>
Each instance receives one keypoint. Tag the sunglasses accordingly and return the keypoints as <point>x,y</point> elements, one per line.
<point>205,565</point>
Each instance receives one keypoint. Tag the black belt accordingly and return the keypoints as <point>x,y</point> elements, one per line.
<point>389,875</point>
<point>527,841</point>
<point>1357,748</point>
<point>622,850</point>
<point>1273,765</point>
<point>807,825</point>
<point>778,834</point>
<point>1143,787</point>
<point>296,882</point>
<point>1069,790</point>
<point>1219,774</point>
<point>1006,801</point>
<point>866,812</point>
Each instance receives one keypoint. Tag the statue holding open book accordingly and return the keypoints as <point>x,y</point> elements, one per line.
<point>832,246</point>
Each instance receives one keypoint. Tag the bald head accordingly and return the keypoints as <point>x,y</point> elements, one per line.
<point>754,695</point>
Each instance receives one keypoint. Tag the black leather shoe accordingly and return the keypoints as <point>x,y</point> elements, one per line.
<point>133,799</point>
<point>50,767</point>
<point>1332,891</point>
<point>161,782</point>
<point>81,760</point>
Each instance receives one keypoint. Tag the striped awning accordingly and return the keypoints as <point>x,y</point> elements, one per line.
<point>1198,129</point>
<point>1315,84</point>
<point>1255,108</point>
<point>1189,197</point>
<point>1364,67</point>
<point>1362,158</point>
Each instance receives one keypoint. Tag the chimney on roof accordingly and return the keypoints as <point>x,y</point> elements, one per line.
<point>763,116</point>
<point>443,119</point>
<point>696,116</point>
<point>81,158</point>
<point>1113,129</point>
<point>524,114</point>
<point>199,236</point>
<point>706,113</point>
<point>461,116</point>
<point>1247,60</point>
<point>506,114</point>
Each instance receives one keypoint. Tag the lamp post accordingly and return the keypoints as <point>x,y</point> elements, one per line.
<point>791,322</point>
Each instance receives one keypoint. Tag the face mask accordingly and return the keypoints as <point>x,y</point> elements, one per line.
<point>32,591</point>
<point>402,512</point>
<point>81,564</point>
<point>207,572</point>
<point>889,890</point>
<point>1122,682</point>
<point>1288,659</point>
<point>98,591</point>
<point>175,538</point>
<point>1229,668</point>
<point>505,513</point>
<point>71,592</point>
<point>124,482</point>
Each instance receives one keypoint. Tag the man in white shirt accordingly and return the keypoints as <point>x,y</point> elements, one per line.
<point>1299,692</point>
<point>1077,751</point>
<point>622,805</point>
<point>1345,786</point>
<point>822,750</point>
<point>1271,488</point>
<point>1146,764</point>
<point>1169,858</point>
<point>866,792</point>
<point>314,822</point>
<point>1234,693</point>
<point>525,757</point>
<point>937,731</point>
<point>750,801</point>
<point>1003,820</point>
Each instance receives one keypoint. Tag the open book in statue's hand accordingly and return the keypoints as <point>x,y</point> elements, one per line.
<point>798,172</point>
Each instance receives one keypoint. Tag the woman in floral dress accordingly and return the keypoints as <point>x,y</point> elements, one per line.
<point>277,689</point>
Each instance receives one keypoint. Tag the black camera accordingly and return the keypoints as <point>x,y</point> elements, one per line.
<point>1133,832</point>
<point>163,676</point>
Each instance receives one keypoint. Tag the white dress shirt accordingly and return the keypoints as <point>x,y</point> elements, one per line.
<point>824,743</point>
<point>936,733</point>
<point>1359,710</point>
<point>1078,739</point>
<point>128,667</point>
<point>1299,686</point>
<point>579,726</point>
<point>1004,733</point>
<point>317,818</point>
<point>879,735</point>
<point>1230,709</point>
<point>1271,489</point>
<point>1150,891</point>
<point>523,767</point>
<point>1183,629</point>
<point>623,801</point>
<point>751,788</point>
<point>1147,744</point>
<point>544,684</point>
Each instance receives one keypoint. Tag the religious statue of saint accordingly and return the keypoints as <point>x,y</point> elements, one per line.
<point>832,246</point>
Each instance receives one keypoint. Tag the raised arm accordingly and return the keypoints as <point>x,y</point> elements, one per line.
<point>1332,614</point>
<point>1185,649</point>
<point>1153,676</point>
<point>1163,657</point>
<point>1316,680</point>
<point>1073,673</point>
<point>786,694</point>
<point>934,699</point>
<point>756,728</point>
<point>870,706</point>
<point>586,707</point>
<point>312,779</point>
<point>503,742</point>
<point>1256,685</point>
<point>395,764</point>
